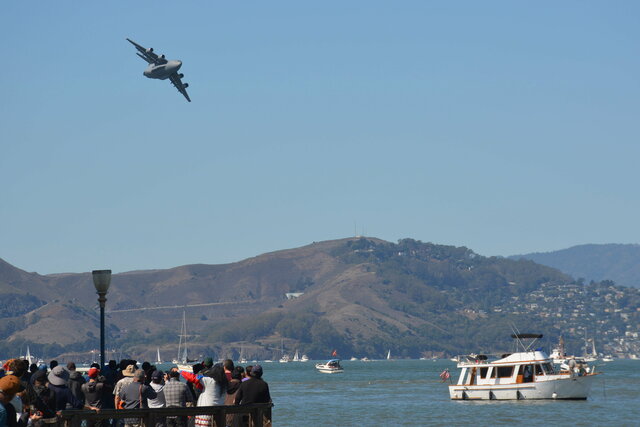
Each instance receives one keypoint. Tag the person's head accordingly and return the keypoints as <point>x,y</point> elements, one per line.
<point>146,366</point>
<point>138,376</point>
<point>53,364</point>
<point>129,371</point>
<point>256,371</point>
<point>238,373</point>
<point>197,368</point>
<point>157,376</point>
<point>112,364</point>
<point>16,367</point>
<point>58,376</point>
<point>93,373</point>
<point>247,370</point>
<point>39,378</point>
<point>71,366</point>
<point>228,365</point>
<point>33,368</point>
<point>174,373</point>
<point>9,386</point>
<point>207,362</point>
<point>95,365</point>
<point>217,373</point>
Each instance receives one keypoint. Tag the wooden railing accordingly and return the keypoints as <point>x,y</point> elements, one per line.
<point>259,414</point>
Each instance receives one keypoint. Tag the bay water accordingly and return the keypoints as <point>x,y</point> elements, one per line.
<point>410,393</point>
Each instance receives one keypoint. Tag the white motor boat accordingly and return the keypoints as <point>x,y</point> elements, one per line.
<point>285,359</point>
<point>527,374</point>
<point>304,358</point>
<point>330,367</point>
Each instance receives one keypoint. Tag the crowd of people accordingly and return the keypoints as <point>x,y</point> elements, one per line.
<point>32,395</point>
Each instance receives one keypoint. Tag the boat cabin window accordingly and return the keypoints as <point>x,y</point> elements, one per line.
<point>494,370</point>
<point>505,371</point>
<point>483,372</point>
<point>527,373</point>
<point>548,368</point>
<point>539,370</point>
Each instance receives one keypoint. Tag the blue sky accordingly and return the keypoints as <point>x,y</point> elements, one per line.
<point>507,127</point>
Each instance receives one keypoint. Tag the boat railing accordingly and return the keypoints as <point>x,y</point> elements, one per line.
<point>259,414</point>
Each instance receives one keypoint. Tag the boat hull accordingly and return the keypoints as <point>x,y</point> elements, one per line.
<point>576,388</point>
<point>330,371</point>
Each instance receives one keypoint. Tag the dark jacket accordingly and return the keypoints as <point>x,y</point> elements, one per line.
<point>254,390</point>
<point>64,397</point>
<point>75,384</point>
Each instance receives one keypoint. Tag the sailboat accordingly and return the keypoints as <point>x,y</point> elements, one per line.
<point>158,360</point>
<point>242,358</point>
<point>594,355</point>
<point>296,357</point>
<point>28,357</point>
<point>389,355</point>
<point>182,360</point>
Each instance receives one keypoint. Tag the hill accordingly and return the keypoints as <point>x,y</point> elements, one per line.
<point>617,262</point>
<point>361,296</point>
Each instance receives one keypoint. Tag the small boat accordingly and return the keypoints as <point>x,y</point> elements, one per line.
<point>304,358</point>
<point>285,358</point>
<point>365,359</point>
<point>353,359</point>
<point>607,358</point>
<point>158,359</point>
<point>330,367</point>
<point>526,374</point>
<point>296,357</point>
<point>389,355</point>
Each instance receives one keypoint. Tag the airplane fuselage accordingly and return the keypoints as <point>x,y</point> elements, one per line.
<point>162,71</point>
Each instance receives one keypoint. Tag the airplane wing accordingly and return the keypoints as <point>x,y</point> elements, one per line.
<point>147,54</point>
<point>182,87</point>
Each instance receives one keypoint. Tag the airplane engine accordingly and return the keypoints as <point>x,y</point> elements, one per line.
<point>161,56</point>
<point>181,75</point>
<point>150,50</point>
<point>186,85</point>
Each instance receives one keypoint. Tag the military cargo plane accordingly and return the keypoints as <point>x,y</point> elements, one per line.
<point>161,68</point>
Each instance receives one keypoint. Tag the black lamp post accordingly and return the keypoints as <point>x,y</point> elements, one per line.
<point>101,280</point>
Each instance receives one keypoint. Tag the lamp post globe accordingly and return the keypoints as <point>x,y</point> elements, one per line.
<point>101,280</point>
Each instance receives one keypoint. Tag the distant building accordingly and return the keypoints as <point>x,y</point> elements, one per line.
<point>293,295</point>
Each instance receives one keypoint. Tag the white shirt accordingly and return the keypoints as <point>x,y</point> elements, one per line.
<point>159,401</point>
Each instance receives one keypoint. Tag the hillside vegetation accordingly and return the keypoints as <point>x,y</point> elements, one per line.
<point>360,296</point>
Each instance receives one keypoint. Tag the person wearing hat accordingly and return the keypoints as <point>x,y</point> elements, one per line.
<point>157,383</point>
<point>127,378</point>
<point>9,386</point>
<point>254,390</point>
<point>136,395</point>
<point>94,393</point>
<point>45,401</point>
<point>58,378</point>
